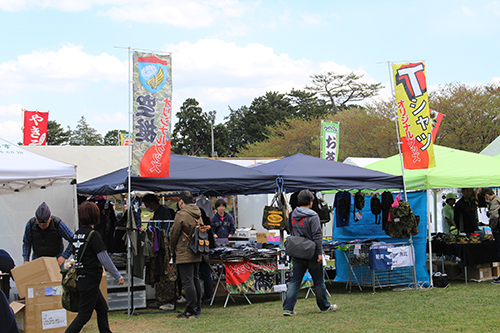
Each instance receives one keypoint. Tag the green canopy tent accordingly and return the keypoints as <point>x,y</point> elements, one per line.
<point>454,169</point>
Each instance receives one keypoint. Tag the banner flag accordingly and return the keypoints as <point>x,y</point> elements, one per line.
<point>35,128</point>
<point>125,139</point>
<point>329,140</point>
<point>436,118</point>
<point>255,277</point>
<point>152,78</point>
<point>415,129</point>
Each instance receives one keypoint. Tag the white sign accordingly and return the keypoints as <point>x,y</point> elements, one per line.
<point>54,319</point>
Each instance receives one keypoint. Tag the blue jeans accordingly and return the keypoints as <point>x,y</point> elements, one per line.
<point>299,269</point>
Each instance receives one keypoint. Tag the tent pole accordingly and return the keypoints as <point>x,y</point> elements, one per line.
<point>397,131</point>
<point>129,210</point>
<point>429,221</point>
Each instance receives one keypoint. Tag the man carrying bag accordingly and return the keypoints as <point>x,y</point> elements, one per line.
<point>305,223</point>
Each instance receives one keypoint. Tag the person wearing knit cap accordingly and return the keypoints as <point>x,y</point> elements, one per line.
<point>44,233</point>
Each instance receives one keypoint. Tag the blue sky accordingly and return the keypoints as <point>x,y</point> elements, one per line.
<point>60,55</point>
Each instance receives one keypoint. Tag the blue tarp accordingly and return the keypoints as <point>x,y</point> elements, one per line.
<point>366,228</point>
<point>306,172</point>
<point>195,174</point>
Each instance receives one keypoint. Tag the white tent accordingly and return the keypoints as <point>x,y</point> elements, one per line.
<point>26,180</point>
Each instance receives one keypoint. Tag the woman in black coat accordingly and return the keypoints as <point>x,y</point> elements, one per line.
<point>89,270</point>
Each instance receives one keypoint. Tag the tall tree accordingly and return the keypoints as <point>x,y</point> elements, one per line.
<point>112,138</point>
<point>341,89</point>
<point>471,115</point>
<point>286,138</point>
<point>307,105</point>
<point>84,135</point>
<point>192,131</point>
<point>56,135</point>
<point>247,125</point>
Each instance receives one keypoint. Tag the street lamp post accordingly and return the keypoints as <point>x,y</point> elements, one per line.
<point>211,117</point>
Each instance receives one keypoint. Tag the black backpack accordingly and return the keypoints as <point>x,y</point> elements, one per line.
<point>359,203</point>
<point>376,207</point>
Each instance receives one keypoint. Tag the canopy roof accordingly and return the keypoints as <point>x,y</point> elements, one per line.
<point>194,174</point>
<point>21,169</point>
<point>302,171</point>
<point>454,169</point>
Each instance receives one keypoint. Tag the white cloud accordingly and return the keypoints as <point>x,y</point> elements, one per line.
<point>10,130</point>
<point>467,11</point>
<point>63,70</point>
<point>310,18</point>
<point>12,110</point>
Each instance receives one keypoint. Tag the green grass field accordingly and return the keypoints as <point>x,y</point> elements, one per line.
<point>473,307</point>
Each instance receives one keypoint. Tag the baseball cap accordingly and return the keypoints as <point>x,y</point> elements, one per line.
<point>43,213</point>
<point>451,195</point>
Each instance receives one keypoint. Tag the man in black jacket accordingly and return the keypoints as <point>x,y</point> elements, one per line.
<point>305,223</point>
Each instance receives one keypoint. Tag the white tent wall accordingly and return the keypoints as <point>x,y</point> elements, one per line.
<point>17,208</point>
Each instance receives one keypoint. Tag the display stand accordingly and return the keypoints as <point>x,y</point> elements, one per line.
<point>358,258</point>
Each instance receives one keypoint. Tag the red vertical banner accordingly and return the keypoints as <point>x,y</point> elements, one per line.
<point>35,128</point>
<point>414,121</point>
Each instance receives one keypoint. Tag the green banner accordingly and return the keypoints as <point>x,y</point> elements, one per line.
<point>329,140</point>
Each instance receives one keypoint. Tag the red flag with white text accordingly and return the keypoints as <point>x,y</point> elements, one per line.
<point>35,128</point>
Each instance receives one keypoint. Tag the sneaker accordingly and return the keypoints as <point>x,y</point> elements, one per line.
<point>332,307</point>
<point>167,307</point>
<point>496,281</point>
<point>187,315</point>
<point>289,313</point>
<point>198,310</point>
<point>181,300</point>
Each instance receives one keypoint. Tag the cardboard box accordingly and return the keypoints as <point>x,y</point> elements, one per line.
<point>453,270</point>
<point>495,271</point>
<point>478,273</point>
<point>44,269</point>
<point>42,310</point>
<point>495,264</point>
<point>261,237</point>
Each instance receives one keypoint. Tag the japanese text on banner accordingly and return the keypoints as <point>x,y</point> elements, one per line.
<point>414,120</point>
<point>152,115</point>
<point>329,140</point>
<point>35,128</point>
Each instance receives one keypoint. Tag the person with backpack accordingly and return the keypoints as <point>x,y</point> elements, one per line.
<point>305,223</point>
<point>44,233</point>
<point>91,255</point>
<point>188,262</point>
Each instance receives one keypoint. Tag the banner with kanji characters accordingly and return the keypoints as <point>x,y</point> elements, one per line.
<point>329,140</point>
<point>152,79</point>
<point>255,277</point>
<point>125,139</point>
<point>35,128</point>
<point>414,121</point>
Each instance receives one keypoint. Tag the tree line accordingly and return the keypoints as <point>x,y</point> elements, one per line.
<point>282,124</point>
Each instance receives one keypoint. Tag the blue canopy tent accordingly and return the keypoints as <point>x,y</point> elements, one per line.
<point>195,174</point>
<point>302,171</point>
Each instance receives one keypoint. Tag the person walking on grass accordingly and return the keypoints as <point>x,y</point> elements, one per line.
<point>305,223</point>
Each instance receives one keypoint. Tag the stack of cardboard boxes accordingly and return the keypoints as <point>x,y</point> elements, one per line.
<point>39,283</point>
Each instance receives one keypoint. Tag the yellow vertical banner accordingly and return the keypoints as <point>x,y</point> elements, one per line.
<point>152,78</point>
<point>414,121</point>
